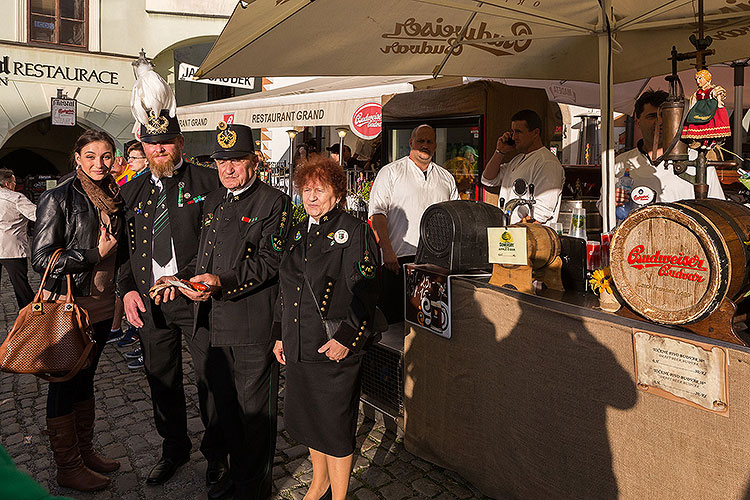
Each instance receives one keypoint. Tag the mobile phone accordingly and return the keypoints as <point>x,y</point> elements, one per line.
<point>510,142</point>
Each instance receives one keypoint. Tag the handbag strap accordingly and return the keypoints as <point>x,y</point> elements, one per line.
<point>52,261</point>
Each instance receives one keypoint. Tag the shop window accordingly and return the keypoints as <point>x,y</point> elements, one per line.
<point>61,22</point>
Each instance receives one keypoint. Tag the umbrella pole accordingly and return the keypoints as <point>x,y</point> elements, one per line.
<point>739,83</point>
<point>607,122</point>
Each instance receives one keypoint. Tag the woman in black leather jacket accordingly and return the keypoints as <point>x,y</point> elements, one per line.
<point>84,216</point>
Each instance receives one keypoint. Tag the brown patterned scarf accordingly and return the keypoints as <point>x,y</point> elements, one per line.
<point>105,195</point>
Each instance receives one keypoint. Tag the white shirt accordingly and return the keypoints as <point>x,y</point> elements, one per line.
<point>663,181</point>
<point>170,268</point>
<point>402,193</point>
<point>541,168</point>
<point>15,213</point>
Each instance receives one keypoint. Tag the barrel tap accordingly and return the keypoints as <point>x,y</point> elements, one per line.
<point>516,202</point>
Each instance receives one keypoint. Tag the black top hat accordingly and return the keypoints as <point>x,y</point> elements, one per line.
<point>160,128</point>
<point>232,141</point>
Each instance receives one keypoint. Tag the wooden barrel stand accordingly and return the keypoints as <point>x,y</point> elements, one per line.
<point>545,265</point>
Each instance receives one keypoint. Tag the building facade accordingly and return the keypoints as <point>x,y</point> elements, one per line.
<point>83,49</point>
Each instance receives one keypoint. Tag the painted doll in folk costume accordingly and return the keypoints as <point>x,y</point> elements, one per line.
<point>707,123</point>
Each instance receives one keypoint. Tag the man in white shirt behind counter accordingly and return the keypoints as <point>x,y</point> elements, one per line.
<point>401,193</point>
<point>659,178</point>
<point>535,165</point>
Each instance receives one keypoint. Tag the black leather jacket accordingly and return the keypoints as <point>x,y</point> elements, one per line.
<point>65,217</point>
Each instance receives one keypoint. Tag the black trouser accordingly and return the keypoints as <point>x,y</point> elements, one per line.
<point>245,382</point>
<point>161,338</point>
<point>391,300</point>
<point>19,278</point>
<point>62,395</point>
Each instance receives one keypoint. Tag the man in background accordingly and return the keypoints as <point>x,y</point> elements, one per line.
<point>15,213</point>
<point>535,165</point>
<point>401,193</point>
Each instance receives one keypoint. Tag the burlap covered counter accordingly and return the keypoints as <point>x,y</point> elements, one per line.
<point>535,399</point>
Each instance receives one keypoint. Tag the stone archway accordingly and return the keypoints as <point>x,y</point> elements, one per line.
<point>35,147</point>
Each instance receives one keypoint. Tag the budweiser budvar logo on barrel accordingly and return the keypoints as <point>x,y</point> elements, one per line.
<point>679,266</point>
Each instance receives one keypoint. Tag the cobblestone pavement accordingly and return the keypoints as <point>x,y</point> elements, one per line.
<point>125,430</point>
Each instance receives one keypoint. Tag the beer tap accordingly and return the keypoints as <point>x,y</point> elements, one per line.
<point>520,190</point>
<point>501,204</point>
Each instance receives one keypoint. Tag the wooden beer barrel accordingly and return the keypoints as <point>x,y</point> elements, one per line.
<point>673,263</point>
<point>543,245</point>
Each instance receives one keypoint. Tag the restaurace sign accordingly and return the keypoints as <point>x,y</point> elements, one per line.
<point>55,72</point>
<point>417,37</point>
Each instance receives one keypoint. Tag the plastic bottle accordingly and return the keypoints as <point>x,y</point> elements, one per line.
<point>626,184</point>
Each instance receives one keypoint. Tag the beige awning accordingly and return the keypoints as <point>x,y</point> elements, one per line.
<point>316,102</point>
<point>539,39</point>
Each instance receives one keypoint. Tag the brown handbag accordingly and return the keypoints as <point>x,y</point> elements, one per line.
<point>51,339</point>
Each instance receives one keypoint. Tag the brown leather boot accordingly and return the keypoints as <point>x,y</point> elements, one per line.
<point>85,413</point>
<point>71,472</point>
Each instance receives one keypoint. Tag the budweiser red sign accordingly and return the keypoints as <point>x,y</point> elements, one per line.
<point>678,266</point>
<point>367,120</point>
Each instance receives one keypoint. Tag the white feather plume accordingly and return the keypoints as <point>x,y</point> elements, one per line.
<point>150,93</point>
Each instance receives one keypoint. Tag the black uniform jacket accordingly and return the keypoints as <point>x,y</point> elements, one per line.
<point>338,259</point>
<point>242,242</point>
<point>66,218</point>
<point>186,191</point>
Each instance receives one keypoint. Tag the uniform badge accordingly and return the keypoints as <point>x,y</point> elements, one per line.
<point>207,220</point>
<point>249,220</point>
<point>226,138</point>
<point>297,236</point>
<point>156,124</point>
<point>186,196</point>
<point>341,236</point>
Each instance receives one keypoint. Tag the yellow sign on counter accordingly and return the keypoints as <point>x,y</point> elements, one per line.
<point>507,245</point>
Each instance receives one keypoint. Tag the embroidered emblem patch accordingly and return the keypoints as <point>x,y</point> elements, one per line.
<point>341,236</point>
<point>366,269</point>
<point>297,236</point>
<point>207,220</point>
<point>277,243</point>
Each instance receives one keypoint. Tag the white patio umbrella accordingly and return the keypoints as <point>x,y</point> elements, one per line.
<point>605,41</point>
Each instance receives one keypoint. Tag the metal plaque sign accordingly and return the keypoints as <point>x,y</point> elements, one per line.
<point>63,111</point>
<point>692,373</point>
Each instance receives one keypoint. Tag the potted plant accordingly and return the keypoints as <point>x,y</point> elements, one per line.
<point>601,283</point>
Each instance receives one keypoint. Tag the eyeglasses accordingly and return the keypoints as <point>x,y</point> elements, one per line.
<point>131,158</point>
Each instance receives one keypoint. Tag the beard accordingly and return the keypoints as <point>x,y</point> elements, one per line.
<point>163,165</point>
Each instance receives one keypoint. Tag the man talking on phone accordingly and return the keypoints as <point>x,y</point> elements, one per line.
<point>535,165</point>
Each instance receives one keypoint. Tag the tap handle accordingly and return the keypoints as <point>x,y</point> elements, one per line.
<point>531,190</point>
<point>501,203</point>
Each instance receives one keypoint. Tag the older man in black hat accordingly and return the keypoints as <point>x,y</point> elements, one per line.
<point>244,229</point>
<point>165,210</point>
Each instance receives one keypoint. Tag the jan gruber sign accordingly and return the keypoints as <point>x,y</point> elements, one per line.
<point>691,373</point>
<point>507,245</point>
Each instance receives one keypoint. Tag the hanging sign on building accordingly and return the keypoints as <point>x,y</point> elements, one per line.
<point>186,72</point>
<point>63,111</point>
<point>367,120</point>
